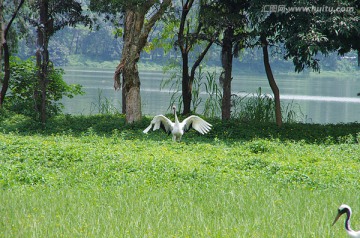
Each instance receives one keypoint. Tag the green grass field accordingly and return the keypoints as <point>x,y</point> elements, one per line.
<point>95,176</point>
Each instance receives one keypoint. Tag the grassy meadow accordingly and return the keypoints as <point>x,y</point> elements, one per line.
<point>95,176</point>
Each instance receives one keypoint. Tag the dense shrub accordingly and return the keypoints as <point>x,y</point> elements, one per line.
<point>24,86</point>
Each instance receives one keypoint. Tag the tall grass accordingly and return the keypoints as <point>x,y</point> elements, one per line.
<point>259,107</point>
<point>103,105</point>
<point>253,107</point>
<point>212,105</point>
<point>97,177</point>
<point>202,84</point>
<point>255,209</point>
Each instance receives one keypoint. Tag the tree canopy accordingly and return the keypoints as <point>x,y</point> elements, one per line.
<point>303,31</point>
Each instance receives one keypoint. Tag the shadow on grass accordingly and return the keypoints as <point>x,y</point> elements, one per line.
<point>226,131</point>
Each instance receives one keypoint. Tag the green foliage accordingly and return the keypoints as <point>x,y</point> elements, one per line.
<point>212,105</point>
<point>297,155</point>
<point>345,66</point>
<point>260,108</point>
<point>96,176</point>
<point>173,83</point>
<point>62,13</point>
<point>209,210</point>
<point>84,61</point>
<point>196,89</point>
<point>166,40</point>
<point>255,108</point>
<point>103,105</point>
<point>24,84</point>
<point>259,146</point>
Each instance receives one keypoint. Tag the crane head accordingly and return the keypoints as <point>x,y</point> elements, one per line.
<point>342,209</point>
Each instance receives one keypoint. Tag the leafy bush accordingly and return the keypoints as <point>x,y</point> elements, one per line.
<point>259,146</point>
<point>24,86</point>
<point>212,105</point>
<point>256,108</point>
<point>260,108</point>
<point>103,105</point>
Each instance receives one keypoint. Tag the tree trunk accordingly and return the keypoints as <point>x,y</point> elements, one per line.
<point>5,48</point>
<point>123,98</point>
<point>42,59</point>
<point>5,82</point>
<point>272,82</point>
<point>136,32</point>
<point>132,92</point>
<point>186,84</point>
<point>186,44</point>
<point>188,80</point>
<point>185,48</point>
<point>128,66</point>
<point>1,31</point>
<point>227,57</point>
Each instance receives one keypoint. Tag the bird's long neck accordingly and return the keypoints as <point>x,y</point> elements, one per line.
<point>347,220</point>
<point>176,118</point>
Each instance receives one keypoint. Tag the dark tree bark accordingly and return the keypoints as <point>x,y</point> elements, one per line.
<point>42,58</point>
<point>227,58</point>
<point>272,81</point>
<point>5,50</point>
<point>185,48</point>
<point>186,83</point>
<point>185,45</point>
<point>130,57</point>
<point>1,30</point>
<point>136,32</point>
<point>5,81</point>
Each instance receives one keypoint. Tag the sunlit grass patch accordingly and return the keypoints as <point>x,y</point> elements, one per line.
<point>97,177</point>
<point>254,209</point>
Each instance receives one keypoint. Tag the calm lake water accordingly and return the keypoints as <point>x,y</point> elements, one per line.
<point>321,99</point>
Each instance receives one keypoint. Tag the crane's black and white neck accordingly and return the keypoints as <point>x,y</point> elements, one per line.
<point>345,209</point>
<point>177,131</point>
<point>177,128</point>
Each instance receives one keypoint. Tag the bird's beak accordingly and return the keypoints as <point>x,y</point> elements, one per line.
<point>336,218</point>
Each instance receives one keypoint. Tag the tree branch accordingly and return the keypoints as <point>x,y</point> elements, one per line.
<point>149,25</point>
<point>185,10</point>
<point>199,59</point>
<point>12,19</point>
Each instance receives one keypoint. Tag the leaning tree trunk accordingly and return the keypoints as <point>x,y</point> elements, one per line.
<point>136,32</point>
<point>5,49</point>
<point>272,82</point>
<point>188,80</point>
<point>186,44</point>
<point>227,57</point>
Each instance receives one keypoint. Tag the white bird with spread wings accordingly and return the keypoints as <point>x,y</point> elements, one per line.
<point>177,128</point>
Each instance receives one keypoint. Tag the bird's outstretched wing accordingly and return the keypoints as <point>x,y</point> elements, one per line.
<point>197,123</point>
<point>160,121</point>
